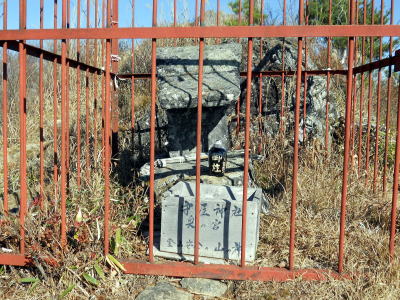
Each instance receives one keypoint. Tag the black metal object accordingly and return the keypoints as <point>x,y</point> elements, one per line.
<point>217,157</point>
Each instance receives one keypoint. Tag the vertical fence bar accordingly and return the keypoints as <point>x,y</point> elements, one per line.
<point>354,96</point>
<point>107,136</point>
<point>328,83</point>
<point>360,129</point>
<point>218,17</point>
<point>87,133</point>
<point>388,102</point>
<point>282,123</point>
<point>261,39</point>
<point>175,19</point>
<point>5,113</point>
<point>238,101</point>
<point>347,141</point>
<point>247,136</point>
<point>378,109</point>
<point>78,100</point>
<point>152,133</point>
<point>393,216</point>
<point>133,70</point>
<point>260,96</point>
<point>63,129</point>
<point>238,115</point>
<point>95,83</point>
<point>103,78</point>
<point>305,100</point>
<point>114,69</point>
<point>284,12</point>
<point>240,13</point>
<point>218,11</point>
<point>368,126</point>
<point>22,127</point>
<point>67,142</point>
<point>55,109</point>
<point>261,52</point>
<point>41,113</point>
<point>296,141</point>
<point>196,12</point>
<point>305,79</point>
<point>198,138</point>
<point>371,53</point>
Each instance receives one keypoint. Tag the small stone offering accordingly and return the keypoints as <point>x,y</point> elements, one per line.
<point>217,157</point>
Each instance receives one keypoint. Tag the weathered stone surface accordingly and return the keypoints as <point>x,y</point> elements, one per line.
<point>164,291</point>
<point>316,96</point>
<point>177,70</point>
<point>182,129</point>
<point>220,220</point>
<point>169,171</point>
<point>203,286</point>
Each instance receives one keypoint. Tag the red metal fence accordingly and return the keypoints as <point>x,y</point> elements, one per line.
<point>105,46</point>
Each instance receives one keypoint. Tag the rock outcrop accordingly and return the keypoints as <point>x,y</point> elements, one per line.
<point>277,52</point>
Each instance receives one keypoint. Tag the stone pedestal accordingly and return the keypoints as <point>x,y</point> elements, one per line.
<point>177,71</point>
<point>220,220</point>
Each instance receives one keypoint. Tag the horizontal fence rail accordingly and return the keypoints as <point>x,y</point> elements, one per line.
<point>204,32</point>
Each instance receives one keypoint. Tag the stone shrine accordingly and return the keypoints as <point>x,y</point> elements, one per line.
<point>221,196</point>
<point>177,71</point>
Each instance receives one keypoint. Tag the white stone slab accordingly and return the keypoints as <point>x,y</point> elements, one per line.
<point>220,220</point>
<point>188,257</point>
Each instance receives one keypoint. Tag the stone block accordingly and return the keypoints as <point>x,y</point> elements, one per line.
<point>177,70</point>
<point>168,171</point>
<point>220,220</point>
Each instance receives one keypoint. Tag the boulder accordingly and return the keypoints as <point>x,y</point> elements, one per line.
<point>177,71</point>
<point>164,291</point>
<point>203,286</point>
<point>316,94</point>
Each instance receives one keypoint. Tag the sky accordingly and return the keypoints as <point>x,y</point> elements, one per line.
<point>143,11</point>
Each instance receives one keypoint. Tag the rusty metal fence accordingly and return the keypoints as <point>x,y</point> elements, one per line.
<point>101,110</point>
